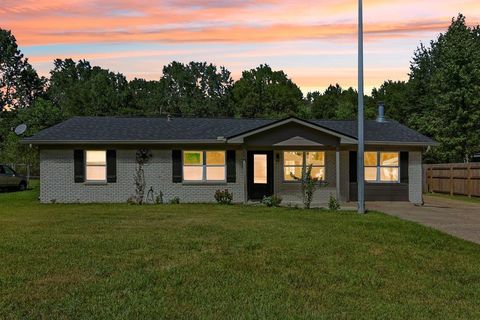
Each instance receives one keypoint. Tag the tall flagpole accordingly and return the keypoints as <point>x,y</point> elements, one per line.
<point>361,146</point>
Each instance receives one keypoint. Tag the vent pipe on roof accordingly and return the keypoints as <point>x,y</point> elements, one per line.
<point>381,112</point>
<point>169,118</point>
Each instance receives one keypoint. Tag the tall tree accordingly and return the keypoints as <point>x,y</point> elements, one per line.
<point>19,82</point>
<point>262,92</point>
<point>395,96</point>
<point>338,104</point>
<point>197,88</point>
<point>82,90</point>
<point>445,86</point>
<point>147,97</point>
<point>40,115</point>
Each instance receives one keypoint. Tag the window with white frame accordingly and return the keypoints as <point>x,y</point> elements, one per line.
<point>382,167</point>
<point>204,166</point>
<point>96,165</point>
<point>295,162</point>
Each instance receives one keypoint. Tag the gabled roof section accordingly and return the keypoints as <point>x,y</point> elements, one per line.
<point>124,130</point>
<point>298,141</point>
<point>343,137</point>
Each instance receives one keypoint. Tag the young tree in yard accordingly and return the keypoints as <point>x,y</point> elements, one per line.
<point>197,88</point>
<point>308,185</point>
<point>19,82</point>
<point>262,92</point>
<point>444,92</point>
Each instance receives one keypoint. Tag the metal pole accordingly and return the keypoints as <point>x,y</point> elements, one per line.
<point>361,146</point>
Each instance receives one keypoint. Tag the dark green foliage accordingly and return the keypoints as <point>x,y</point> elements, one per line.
<point>265,93</point>
<point>196,89</point>
<point>395,96</point>
<point>174,200</point>
<point>337,103</point>
<point>272,201</point>
<point>333,203</point>
<point>19,82</point>
<point>444,92</point>
<point>146,98</point>
<point>223,197</point>
<point>82,90</point>
<point>41,114</point>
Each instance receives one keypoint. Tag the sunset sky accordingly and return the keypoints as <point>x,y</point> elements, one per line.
<point>314,42</point>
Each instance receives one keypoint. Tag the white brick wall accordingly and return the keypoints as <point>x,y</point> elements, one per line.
<point>415,177</point>
<point>57,180</point>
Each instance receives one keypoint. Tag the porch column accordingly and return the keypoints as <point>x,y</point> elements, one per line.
<point>337,171</point>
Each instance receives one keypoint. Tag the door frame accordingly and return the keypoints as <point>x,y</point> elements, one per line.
<point>255,192</point>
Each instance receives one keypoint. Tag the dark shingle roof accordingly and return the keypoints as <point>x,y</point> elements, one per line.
<point>113,129</point>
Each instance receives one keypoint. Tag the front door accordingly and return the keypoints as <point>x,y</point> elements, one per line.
<point>260,174</point>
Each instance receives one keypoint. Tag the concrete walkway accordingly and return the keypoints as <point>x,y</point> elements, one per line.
<point>460,219</point>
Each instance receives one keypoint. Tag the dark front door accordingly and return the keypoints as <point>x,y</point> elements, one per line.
<point>260,174</point>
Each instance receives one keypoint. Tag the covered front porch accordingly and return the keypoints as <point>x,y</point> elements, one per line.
<point>276,171</point>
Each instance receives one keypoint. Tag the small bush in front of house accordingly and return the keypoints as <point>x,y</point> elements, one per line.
<point>223,197</point>
<point>272,201</point>
<point>333,203</point>
<point>159,198</point>
<point>175,200</point>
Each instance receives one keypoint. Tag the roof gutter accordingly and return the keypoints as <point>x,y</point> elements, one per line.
<point>120,142</point>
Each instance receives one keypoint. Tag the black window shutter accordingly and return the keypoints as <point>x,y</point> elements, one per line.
<point>176,166</point>
<point>353,166</point>
<point>79,166</point>
<point>403,167</point>
<point>112,166</point>
<point>231,166</point>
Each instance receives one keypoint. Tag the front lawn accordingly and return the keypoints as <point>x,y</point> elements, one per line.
<point>218,262</point>
<point>455,197</point>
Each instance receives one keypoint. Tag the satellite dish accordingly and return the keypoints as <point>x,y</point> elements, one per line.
<point>20,129</point>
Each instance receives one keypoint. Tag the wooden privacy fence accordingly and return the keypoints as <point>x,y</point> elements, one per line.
<point>453,178</point>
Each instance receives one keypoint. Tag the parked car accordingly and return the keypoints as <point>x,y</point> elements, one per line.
<point>10,179</point>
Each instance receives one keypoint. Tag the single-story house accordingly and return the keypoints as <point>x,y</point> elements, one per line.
<point>93,159</point>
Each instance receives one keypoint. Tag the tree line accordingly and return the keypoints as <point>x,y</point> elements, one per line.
<point>441,98</point>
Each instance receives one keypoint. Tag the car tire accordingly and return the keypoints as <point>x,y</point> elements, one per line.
<point>22,186</point>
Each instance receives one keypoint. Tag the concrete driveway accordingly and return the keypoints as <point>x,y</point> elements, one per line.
<point>457,218</point>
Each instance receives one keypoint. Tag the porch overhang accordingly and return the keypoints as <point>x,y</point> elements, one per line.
<point>344,139</point>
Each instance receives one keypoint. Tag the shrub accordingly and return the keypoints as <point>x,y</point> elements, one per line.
<point>175,200</point>
<point>159,198</point>
<point>223,197</point>
<point>272,201</point>
<point>333,203</point>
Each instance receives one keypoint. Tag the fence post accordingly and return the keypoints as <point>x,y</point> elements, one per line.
<point>469,178</point>
<point>451,179</point>
<point>430,180</point>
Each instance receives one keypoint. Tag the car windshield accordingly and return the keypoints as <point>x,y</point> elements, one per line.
<point>2,171</point>
<point>8,170</point>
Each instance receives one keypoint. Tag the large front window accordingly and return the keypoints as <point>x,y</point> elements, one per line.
<point>382,166</point>
<point>96,165</point>
<point>295,162</point>
<point>204,166</point>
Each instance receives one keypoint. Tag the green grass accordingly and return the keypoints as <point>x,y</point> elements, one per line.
<point>226,262</point>
<point>455,197</point>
